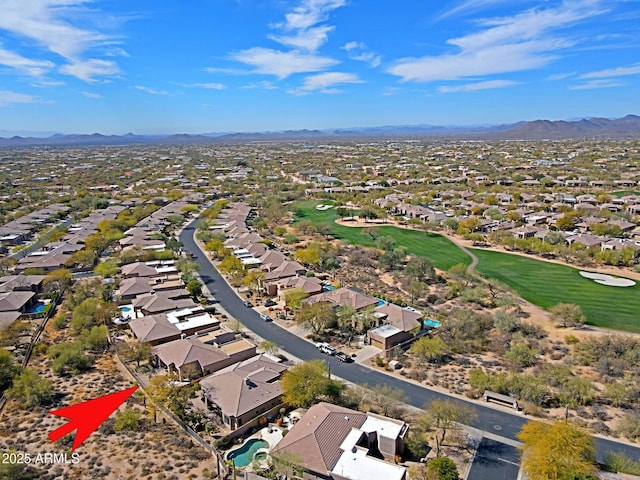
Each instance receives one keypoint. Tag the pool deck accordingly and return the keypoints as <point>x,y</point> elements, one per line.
<point>271,434</point>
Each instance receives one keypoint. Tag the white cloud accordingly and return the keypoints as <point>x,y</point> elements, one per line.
<point>560,76</point>
<point>352,45</point>
<point>471,5</point>
<point>311,39</point>
<point>358,51</point>
<point>614,72</point>
<point>505,44</point>
<point>89,69</point>
<point>33,68</point>
<point>472,87</point>
<point>9,98</point>
<point>282,64</point>
<point>604,83</point>
<point>301,25</point>
<point>117,52</point>
<point>152,91</point>
<point>52,24</point>
<point>210,86</point>
<point>309,13</point>
<point>91,95</point>
<point>324,83</point>
<point>265,85</point>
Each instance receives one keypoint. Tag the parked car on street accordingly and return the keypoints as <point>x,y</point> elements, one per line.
<point>266,317</point>
<point>344,357</point>
<point>247,303</point>
<point>326,348</point>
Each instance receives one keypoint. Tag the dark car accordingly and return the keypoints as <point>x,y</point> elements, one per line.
<point>343,357</point>
<point>270,303</point>
<point>247,303</point>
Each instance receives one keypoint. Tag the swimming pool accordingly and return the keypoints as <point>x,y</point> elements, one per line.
<point>126,312</point>
<point>38,307</point>
<point>431,323</point>
<point>243,455</point>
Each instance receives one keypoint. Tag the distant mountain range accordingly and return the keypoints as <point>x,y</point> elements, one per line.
<point>627,127</point>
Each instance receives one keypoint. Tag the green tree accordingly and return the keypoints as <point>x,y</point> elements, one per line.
<point>107,269</point>
<point>557,451</point>
<point>163,391</point>
<point>293,297</point>
<point>308,256</point>
<point>445,416</point>
<point>269,347</point>
<point>443,468</point>
<point>194,287</point>
<point>567,314</point>
<point>96,339</point>
<point>8,369</point>
<point>135,351</point>
<point>574,392</point>
<point>84,315</point>
<point>316,316</point>
<point>521,354</point>
<point>392,259</point>
<point>231,265</point>
<point>420,269</point>
<point>127,419</point>
<point>429,349</point>
<point>68,358</point>
<point>386,400</point>
<point>82,258</point>
<point>306,383</point>
<point>57,280</point>
<point>385,243</point>
<point>31,390</point>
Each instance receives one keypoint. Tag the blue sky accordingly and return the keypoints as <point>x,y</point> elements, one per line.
<point>115,66</point>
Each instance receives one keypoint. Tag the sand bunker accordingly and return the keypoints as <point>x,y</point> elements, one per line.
<point>608,280</point>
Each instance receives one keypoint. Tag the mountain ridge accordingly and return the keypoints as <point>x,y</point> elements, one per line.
<point>594,127</point>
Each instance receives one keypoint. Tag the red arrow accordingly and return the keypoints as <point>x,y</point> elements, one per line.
<point>88,416</point>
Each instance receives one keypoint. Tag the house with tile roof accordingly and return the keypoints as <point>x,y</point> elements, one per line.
<point>191,355</point>
<point>245,390</point>
<point>337,443</point>
<point>345,296</point>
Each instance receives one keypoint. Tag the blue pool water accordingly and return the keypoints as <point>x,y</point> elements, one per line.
<point>243,455</point>
<point>126,309</point>
<point>37,308</point>
<point>431,323</point>
<point>381,303</point>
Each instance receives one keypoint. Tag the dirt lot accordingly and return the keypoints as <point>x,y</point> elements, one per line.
<point>154,451</point>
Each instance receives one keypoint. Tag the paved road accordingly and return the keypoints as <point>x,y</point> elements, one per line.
<point>495,461</point>
<point>488,419</point>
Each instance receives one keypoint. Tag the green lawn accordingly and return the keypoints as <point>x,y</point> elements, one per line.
<point>438,249</point>
<point>622,193</point>
<point>547,284</point>
<point>542,283</point>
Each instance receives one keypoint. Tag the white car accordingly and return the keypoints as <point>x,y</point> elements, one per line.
<point>326,348</point>
<point>265,317</point>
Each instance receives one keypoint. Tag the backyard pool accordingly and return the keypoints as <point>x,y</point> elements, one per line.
<point>127,311</point>
<point>243,455</point>
<point>431,323</point>
<point>38,307</point>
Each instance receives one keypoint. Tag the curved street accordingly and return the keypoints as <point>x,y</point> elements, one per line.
<point>488,419</point>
